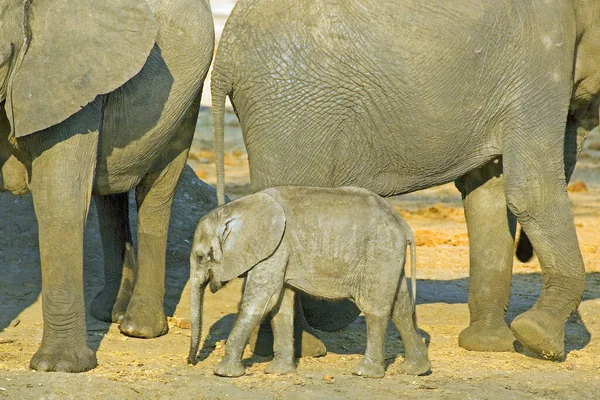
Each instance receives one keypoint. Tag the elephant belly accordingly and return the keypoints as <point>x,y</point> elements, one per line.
<point>393,108</point>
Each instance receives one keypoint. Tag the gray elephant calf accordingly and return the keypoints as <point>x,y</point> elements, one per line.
<point>345,243</point>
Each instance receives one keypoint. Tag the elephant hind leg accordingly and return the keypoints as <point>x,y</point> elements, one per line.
<point>416,360</point>
<point>145,316</point>
<point>111,303</point>
<point>536,194</point>
<point>491,229</point>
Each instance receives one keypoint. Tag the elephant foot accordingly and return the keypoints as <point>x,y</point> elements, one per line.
<point>281,366</point>
<point>369,369</point>
<point>482,337</point>
<point>540,332</point>
<point>63,358</point>
<point>229,368</point>
<point>105,308</point>
<point>415,367</point>
<point>144,321</point>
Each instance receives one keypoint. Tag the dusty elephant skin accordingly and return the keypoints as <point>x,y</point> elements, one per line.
<point>99,99</point>
<point>331,243</point>
<point>477,93</point>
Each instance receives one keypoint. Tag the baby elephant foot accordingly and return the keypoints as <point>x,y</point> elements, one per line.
<point>144,321</point>
<point>229,368</point>
<point>541,332</point>
<point>369,369</point>
<point>63,358</point>
<point>281,366</point>
<point>415,367</point>
<point>483,337</point>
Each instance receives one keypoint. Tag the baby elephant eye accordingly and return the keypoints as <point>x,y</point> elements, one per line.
<point>209,255</point>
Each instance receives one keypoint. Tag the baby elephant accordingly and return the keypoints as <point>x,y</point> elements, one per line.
<point>345,243</point>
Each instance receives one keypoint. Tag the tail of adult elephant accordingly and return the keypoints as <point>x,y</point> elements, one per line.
<point>220,87</point>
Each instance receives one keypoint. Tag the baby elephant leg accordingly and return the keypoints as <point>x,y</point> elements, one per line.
<point>372,364</point>
<point>416,361</point>
<point>263,291</point>
<point>282,324</point>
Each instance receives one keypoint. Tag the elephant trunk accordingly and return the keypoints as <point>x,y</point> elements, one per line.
<point>199,281</point>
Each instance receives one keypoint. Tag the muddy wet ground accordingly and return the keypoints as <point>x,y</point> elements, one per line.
<point>156,368</point>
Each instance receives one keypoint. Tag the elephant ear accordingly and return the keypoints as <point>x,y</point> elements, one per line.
<point>251,230</point>
<point>77,50</point>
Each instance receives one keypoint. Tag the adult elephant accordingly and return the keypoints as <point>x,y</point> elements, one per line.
<point>99,98</point>
<point>397,96</point>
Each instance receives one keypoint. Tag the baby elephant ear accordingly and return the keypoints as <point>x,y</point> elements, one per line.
<point>78,50</point>
<point>250,231</point>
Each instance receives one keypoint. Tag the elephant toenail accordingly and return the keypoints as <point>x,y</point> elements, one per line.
<point>63,366</point>
<point>43,366</point>
<point>146,331</point>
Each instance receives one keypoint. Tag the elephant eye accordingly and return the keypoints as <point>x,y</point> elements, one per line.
<point>209,255</point>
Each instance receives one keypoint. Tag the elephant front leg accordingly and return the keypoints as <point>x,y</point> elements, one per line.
<point>306,342</point>
<point>111,303</point>
<point>491,242</point>
<point>62,174</point>
<point>283,336</point>
<point>372,364</point>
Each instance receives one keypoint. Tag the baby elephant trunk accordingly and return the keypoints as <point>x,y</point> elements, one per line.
<point>199,281</point>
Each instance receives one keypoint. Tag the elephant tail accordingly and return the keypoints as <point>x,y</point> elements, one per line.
<point>221,87</point>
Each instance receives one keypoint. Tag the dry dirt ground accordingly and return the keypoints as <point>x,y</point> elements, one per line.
<point>156,368</point>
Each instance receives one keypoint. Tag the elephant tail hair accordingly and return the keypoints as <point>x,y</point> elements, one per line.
<point>221,87</point>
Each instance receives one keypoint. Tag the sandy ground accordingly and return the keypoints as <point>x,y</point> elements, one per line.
<point>157,368</point>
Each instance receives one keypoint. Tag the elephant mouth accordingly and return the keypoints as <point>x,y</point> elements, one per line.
<point>215,283</point>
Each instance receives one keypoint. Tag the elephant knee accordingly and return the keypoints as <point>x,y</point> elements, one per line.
<point>520,200</point>
<point>531,198</point>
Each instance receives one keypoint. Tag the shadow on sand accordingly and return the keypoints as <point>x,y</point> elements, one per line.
<point>352,339</point>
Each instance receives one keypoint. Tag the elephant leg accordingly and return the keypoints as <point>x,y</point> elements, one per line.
<point>119,259</point>
<point>416,361</point>
<point>63,164</point>
<point>535,189</point>
<point>263,291</point>
<point>372,364</point>
<point>575,137</point>
<point>145,316</point>
<point>491,230</point>
<point>306,342</point>
<point>282,324</point>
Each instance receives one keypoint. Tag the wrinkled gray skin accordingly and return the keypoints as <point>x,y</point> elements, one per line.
<point>97,99</point>
<point>345,243</point>
<point>474,92</point>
